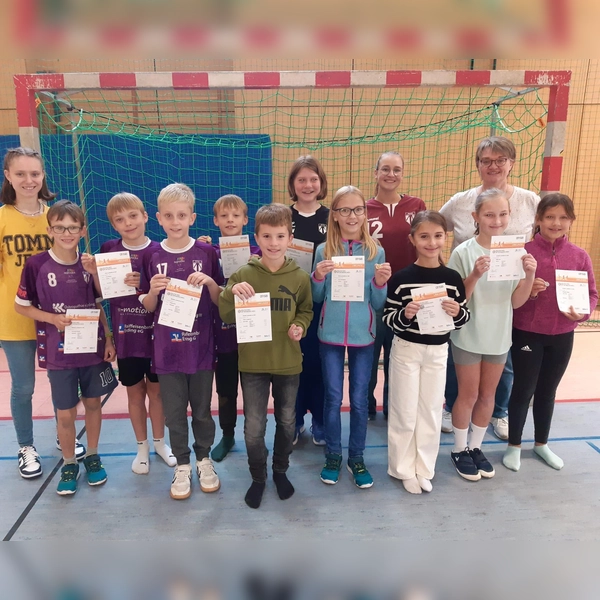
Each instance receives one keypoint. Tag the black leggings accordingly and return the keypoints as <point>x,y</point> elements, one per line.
<point>539,363</point>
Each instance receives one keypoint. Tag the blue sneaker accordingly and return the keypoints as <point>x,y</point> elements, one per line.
<point>299,431</point>
<point>96,475</point>
<point>331,471</point>
<point>362,477</point>
<point>67,485</point>
<point>318,435</point>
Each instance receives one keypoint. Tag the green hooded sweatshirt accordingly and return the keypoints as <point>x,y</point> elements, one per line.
<point>291,303</point>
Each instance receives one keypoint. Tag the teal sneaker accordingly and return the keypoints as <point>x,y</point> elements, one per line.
<point>96,475</point>
<point>331,471</point>
<point>362,477</point>
<point>67,485</point>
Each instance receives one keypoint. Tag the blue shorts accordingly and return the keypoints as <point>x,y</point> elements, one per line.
<point>93,381</point>
<point>132,370</point>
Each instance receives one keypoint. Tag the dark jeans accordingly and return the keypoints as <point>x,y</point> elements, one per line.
<point>540,362</point>
<point>502,391</point>
<point>256,388</point>
<point>310,390</point>
<point>179,390</point>
<point>226,378</point>
<point>383,339</point>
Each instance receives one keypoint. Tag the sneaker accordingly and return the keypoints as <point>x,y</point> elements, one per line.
<point>79,449</point>
<point>181,486</point>
<point>331,471</point>
<point>464,465</point>
<point>209,480</point>
<point>500,425</point>
<point>299,431</point>
<point>67,485</point>
<point>96,475</point>
<point>447,421</point>
<point>29,462</point>
<point>318,436</point>
<point>484,466</point>
<point>362,477</point>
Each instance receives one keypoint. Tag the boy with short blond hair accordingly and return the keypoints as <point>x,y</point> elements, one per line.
<point>132,325</point>
<point>52,283</point>
<point>276,364</point>
<point>184,361</point>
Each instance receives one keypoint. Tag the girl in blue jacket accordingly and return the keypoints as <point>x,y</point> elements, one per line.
<point>348,322</point>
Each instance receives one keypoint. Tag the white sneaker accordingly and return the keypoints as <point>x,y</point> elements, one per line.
<point>209,480</point>
<point>181,486</point>
<point>500,425</point>
<point>447,421</point>
<point>79,448</point>
<point>29,462</point>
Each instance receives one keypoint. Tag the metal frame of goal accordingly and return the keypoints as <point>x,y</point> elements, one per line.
<point>28,85</point>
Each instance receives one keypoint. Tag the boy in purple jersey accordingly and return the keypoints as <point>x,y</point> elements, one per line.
<point>53,282</point>
<point>183,361</point>
<point>132,325</point>
<point>230,216</point>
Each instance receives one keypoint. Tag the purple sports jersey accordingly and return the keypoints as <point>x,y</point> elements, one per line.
<point>131,322</point>
<point>225,334</point>
<point>173,350</point>
<point>53,286</point>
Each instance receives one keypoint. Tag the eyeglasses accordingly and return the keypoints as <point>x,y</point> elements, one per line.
<point>345,212</point>
<point>386,171</point>
<point>71,229</point>
<point>488,162</point>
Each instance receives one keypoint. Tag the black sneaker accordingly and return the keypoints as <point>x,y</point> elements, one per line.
<point>29,462</point>
<point>79,448</point>
<point>484,466</point>
<point>464,465</point>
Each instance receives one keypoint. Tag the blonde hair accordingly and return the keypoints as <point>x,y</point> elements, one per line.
<point>176,192</point>
<point>230,201</point>
<point>333,244</point>
<point>275,215</point>
<point>123,201</point>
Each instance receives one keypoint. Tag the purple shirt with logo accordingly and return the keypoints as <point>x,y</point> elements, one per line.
<point>173,350</point>
<point>131,322</point>
<point>53,286</point>
<point>225,334</point>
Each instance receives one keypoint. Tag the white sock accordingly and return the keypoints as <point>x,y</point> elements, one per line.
<point>477,435</point>
<point>164,451</point>
<point>425,483</point>
<point>141,462</point>
<point>551,459</point>
<point>460,439</point>
<point>412,485</point>
<point>512,458</point>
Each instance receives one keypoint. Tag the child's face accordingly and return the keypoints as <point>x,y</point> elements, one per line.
<point>63,238</point>
<point>230,221</point>
<point>493,216</point>
<point>350,225</point>
<point>307,185</point>
<point>26,175</point>
<point>130,224</point>
<point>273,242</point>
<point>554,224</point>
<point>176,218</point>
<point>428,240</point>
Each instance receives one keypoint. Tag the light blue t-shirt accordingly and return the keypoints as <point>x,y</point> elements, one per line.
<point>490,329</point>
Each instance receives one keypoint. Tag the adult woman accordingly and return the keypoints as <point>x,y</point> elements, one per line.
<point>23,233</point>
<point>495,158</point>
<point>389,216</point>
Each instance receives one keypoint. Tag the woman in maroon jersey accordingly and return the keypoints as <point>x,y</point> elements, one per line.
<point>389,215</point>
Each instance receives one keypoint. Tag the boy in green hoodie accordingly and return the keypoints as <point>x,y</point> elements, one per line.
<point>276,364</point>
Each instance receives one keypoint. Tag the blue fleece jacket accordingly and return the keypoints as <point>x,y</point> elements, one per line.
<point>349,323</point>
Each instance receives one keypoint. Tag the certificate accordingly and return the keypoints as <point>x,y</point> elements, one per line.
<point>572,290</point>
<point>348,278</point>
<point>432,318</point>
<point>505,256</point>
<point>253,318</point>
<point>302,253</point>
<point>235,252</point>
<point>81,336</point>
<point>112,269</point>
<point>179,305</point>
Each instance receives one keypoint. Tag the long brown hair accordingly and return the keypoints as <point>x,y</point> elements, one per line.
<point>8,194</point>
<point>333,244</point>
